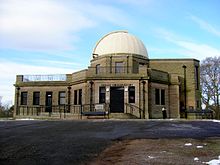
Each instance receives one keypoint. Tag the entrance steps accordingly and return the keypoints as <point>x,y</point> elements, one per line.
<point>122,116</point>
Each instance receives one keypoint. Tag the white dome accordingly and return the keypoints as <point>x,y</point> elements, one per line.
<point>120,42</point>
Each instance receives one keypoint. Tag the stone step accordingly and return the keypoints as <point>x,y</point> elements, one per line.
<point>122,116</point>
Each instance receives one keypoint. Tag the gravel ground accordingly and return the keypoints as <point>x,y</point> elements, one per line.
<point>80,142</point>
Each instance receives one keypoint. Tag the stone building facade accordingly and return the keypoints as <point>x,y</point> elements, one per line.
<point>121,76</point>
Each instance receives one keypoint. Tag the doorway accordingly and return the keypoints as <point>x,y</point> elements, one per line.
<point>48,102</point>
<point>117,99</point>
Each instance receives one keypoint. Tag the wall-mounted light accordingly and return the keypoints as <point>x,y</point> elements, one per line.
<point>107,89</point>
<point>94,55</point>
<point>126,89</point>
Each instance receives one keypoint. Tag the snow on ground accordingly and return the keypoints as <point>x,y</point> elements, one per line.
<point>217,121</point>
<point>214,161</point>
<point>26,119</point>
<point>199,146</point>
<point>188,144</point>
<point>196,159</point>
<point>150,157</point>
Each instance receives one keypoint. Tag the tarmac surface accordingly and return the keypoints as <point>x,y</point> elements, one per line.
<point>81,141</point>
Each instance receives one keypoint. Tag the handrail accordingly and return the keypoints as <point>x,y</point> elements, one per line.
<point>133,107</point>
<point>114,70</point>
<point>61,110</point>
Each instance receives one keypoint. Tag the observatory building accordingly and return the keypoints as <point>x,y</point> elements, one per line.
<point>121,79</point>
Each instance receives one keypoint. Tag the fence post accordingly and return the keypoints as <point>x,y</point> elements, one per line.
<point>64,111</point>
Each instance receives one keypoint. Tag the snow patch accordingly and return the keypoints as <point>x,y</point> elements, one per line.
<point>196,159</point>
<point>199,146</point>
<point>25,119</point>
<point>150,157</point>
<point>216,121</point>
<point>214,161</point>
<point>188,144</point>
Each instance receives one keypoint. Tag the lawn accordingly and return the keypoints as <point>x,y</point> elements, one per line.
<point>162,151</point>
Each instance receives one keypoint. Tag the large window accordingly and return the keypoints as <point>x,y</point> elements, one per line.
<point>98,67</point>
<point>162,97</point>
<point>101,94</point>
<point>36,98</point>
<point>80,97</point>
<point>23,98</point>
<point>62,98</point>
<point>131,94</point>
<point>75,97</point>
<point>159,96</point>
<point>197,77</point>
<point>119,67</point>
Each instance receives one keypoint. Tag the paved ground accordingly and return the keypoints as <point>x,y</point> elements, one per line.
<point>77,142</point>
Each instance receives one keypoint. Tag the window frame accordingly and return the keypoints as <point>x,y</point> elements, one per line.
<point>102,95</point>
<point>75,97</point>
<point>36,99</point>
<point>98,69</point>
<point>24,98</point>
<point>160,96</point>
<point>131,93</point>
<point>119,68</point>
<point>157,96</point>
<point>62,98</point>
<point>197,77</point>
<point>80,96</point>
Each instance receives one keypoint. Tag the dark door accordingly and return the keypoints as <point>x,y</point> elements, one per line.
<point>48,102</point>
<point>117,100</point>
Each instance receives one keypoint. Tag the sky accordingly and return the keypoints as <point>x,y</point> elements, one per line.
<point>58,36</point>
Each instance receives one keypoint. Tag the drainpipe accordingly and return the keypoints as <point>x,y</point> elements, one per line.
<point>144,82</point>
<point>91,94</point>
<point>184,68</point>
<point>17,102</point>
<point>69,94</point>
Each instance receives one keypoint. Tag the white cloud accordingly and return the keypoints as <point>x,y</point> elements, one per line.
<point>199,51</point>
<point>50,24</point>
<point>40,24</point>
<point>191,49</point>
<point>206,26</point>
<point>9,70</point>
<point>136,2</point>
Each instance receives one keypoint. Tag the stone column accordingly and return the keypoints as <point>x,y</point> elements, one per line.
<point>16,105</point>
<point>126,98</point>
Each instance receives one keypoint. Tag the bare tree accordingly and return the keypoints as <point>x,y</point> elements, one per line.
<point>210,83</point>
<point>1,103</point>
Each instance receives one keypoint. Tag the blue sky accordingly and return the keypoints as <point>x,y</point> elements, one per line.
<point>57,36</point>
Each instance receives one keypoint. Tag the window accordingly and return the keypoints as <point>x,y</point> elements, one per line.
<point>198,104</point>
<point>197,77</point>
<point>101,94</point>
<point>131,94</point>
<point>23,98</point>
<point>98,68</point>
<point>62,98</point>
<point>75,97</point>
<point>119,67</point>
<point>80,97</point>
<point>159,96</point>
<point>36,98</point>
<point>162,96</point>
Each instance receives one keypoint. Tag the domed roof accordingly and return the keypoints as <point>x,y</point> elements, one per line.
<point>120,42</point>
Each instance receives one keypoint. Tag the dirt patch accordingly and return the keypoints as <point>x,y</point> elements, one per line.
<point>160,151</point>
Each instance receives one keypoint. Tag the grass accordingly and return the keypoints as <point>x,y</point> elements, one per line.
<point>160,151</point>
